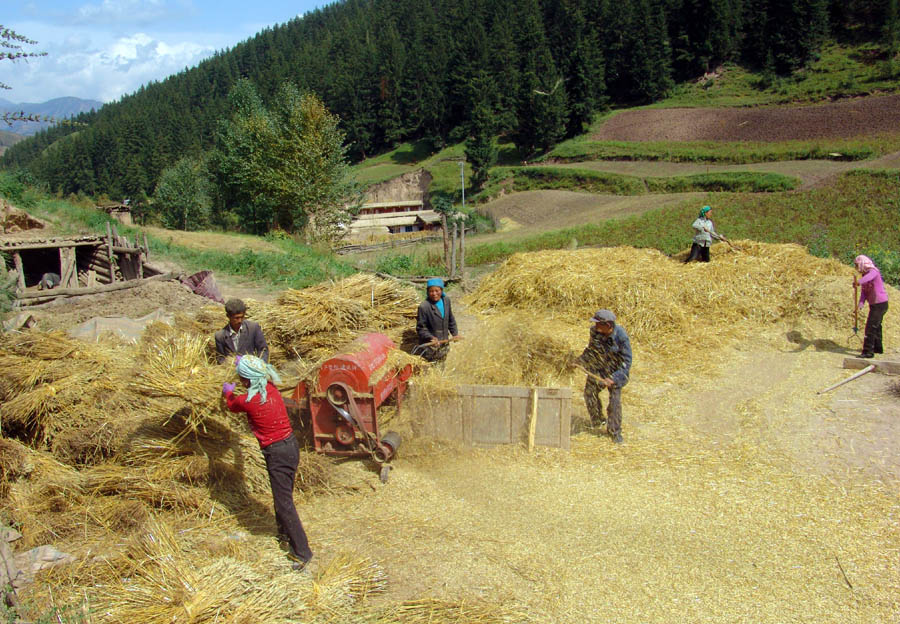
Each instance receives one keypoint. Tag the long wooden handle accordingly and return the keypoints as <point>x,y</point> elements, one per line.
<point>589,373</point>
<point>866,370</point>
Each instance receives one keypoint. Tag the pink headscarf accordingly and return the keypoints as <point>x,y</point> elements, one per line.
<point>864,264</point>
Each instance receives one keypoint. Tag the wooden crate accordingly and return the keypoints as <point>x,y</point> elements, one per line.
<point>492,415</point>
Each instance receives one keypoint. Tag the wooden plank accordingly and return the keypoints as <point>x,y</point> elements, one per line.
<point>109,253</point>
<point>67,269</point>
<point>885,367</point>
<point>532,421</point>
<point>91,279</point>
<point>27,247</point>
<point>74,292</point>
<point>492,415</point>
<point>17,259</point>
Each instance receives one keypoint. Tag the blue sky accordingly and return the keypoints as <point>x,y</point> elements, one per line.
<point>103,49</point>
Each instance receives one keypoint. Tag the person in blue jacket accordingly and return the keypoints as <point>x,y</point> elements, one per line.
<point>608,358</point>
<point>435,323</point>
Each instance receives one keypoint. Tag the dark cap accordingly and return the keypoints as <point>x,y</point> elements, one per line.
<point>603,316</point>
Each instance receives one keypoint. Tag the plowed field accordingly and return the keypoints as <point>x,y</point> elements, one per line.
<point>844,119</point>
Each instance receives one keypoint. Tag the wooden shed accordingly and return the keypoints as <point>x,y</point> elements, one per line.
<point>85,264</point>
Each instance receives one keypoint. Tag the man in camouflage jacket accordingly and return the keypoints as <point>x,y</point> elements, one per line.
<point>608,356</point>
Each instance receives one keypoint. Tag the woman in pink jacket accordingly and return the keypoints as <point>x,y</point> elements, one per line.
<point>871,290</point>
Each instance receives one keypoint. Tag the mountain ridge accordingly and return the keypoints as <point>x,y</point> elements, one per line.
<point>57,108</point>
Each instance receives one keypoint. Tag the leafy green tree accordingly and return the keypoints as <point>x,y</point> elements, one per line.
<point>286,165</point>
<point>182,196</point>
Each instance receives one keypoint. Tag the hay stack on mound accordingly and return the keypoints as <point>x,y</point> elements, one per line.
<point>512,348</point>
<point>317,321</point>
<point>671,310</point>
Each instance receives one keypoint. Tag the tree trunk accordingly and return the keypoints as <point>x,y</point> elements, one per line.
<point>452,271</point>
<point>446,242</point>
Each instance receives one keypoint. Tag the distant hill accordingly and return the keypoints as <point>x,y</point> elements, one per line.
<point>58,108</point>
<point>9,138</point>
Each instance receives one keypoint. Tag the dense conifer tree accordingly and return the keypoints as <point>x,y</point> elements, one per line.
<point>397,70</point>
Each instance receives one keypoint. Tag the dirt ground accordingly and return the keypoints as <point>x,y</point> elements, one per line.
<point>133,303</point>
<point>558,209</point>
<point>844,119</point>
<point>712,511</point>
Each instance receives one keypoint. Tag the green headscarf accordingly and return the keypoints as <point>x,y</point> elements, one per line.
<point>259,372</point>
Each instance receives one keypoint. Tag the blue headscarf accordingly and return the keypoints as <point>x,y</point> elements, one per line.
<point>704,210</point>
<point>436,281</point>
<point>259,373</point>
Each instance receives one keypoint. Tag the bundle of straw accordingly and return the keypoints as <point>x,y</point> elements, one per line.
<point>13,464</point>
<point>175,365</point>
<point>48,381</point>
<point>319,320</point>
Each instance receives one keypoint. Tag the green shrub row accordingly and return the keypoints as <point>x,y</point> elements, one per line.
<point>738,153</point>
<point>591,181</point>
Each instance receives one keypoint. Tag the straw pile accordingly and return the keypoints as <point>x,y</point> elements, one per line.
<point>51,382</point>
<point>669,309</point>
<point>164,575</point>
<point>174,368</point>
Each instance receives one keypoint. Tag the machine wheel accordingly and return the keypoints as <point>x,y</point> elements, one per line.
<point>385,472</point>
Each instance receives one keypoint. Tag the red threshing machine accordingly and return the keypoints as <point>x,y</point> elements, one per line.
<point>342,405</point>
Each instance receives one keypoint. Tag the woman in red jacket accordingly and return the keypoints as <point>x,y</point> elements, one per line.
<point>269,422</point>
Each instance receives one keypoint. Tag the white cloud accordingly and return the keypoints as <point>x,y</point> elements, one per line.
<point>101,68</point>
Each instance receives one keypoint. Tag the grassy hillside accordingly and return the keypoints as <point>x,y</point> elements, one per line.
<point>840,71</point>
<point>859,213</point>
